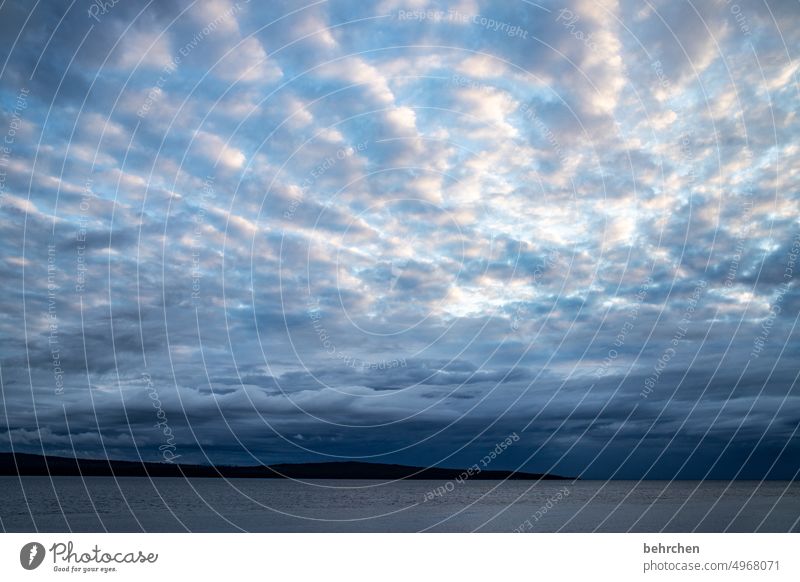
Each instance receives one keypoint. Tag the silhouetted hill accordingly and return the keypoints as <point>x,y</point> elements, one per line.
<point>31,465</point>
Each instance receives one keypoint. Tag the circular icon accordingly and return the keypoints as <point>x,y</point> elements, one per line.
<point>31,555</point>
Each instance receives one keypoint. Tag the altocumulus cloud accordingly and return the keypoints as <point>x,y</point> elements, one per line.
<point>400,232</point>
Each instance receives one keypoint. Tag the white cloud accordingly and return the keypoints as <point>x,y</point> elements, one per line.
<point>214,149</point>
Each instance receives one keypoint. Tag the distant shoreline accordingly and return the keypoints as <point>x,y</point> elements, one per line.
<point>28,465</point>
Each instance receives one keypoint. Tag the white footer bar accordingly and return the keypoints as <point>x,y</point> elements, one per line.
<point>400,557</point>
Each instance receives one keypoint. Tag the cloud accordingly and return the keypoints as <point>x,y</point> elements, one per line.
<point>215,149</point>
<point>400,238</point>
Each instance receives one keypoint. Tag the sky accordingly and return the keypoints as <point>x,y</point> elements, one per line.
<point>403,231</point>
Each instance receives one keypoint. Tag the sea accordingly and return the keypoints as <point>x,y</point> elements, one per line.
<point>138,504</point>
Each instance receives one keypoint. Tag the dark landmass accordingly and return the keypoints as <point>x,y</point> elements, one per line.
<point>22,464</point>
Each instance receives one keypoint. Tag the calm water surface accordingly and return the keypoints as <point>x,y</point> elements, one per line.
<point>213,505</point>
